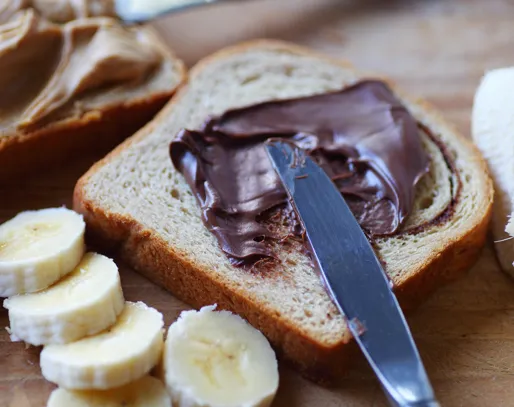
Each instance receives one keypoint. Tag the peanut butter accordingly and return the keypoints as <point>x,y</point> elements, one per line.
<point>46,66</point>
<point>59,11</point>
<point>29,53</point>
<point>62,11</point>
<point>8,8</point>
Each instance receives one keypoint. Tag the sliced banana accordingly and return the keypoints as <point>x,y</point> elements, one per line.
<point>83,303</point>
<point>113,358</point>
<point>37,248</point>
<point>216,359</point>
<point>145,392</point>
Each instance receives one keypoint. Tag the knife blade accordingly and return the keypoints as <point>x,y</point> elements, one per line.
<point>354,277</point>
<point>140,11</point>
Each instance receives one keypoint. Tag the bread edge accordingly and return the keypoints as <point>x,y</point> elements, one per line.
<point>149,255</point>
<point>96,131</point>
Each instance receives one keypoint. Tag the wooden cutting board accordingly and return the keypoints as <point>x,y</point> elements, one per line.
<point>435,49</point>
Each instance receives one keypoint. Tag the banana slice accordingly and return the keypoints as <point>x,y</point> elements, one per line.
<point>37,248</point>
<point>146,392</point>
<point>216,359</point>
<point>123,353</point>
<point>85,302</point>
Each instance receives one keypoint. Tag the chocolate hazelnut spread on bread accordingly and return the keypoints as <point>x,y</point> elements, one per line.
<point>46,65</point>
<point>362,136</point>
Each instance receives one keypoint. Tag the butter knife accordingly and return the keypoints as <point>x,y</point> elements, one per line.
<point>139,11</point>
<point>354,277</point>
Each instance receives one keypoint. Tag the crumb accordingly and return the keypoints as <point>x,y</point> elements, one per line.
<point>357,326</point>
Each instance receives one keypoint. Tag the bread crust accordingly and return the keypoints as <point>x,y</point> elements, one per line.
<point>151,256</point>
<point>95,131</point>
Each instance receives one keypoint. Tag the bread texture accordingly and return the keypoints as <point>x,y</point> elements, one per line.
<point>493,132</point>
<point>137,204</point>
<point>98,123</point>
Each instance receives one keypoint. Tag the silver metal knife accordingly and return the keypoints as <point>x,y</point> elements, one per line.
<point>354,278</point>
<point>139,11</point>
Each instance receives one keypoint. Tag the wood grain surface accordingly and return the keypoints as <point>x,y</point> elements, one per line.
<point>435,49</point>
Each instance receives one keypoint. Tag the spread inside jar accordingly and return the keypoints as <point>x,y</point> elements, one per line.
<point>362,136</point>
<point>47,65</point>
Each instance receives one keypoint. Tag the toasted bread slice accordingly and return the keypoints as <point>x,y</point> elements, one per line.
<point>97,122</point>
<point>135,202</point>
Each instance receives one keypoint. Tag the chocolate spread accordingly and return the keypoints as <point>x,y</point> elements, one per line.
<point>46,65</point>
<point>362,136</point>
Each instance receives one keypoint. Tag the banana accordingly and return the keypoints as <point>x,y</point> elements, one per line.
<point>216,359</point>
<point>83,303</point>
<point>493,132</point>
<point>123,353</point>
<point>37,248</point>
<point>145,392</point>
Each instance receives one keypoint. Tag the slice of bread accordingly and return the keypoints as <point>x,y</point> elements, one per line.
<point>136,203</point>
<point>97,122</point>
<point>493,132</point>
